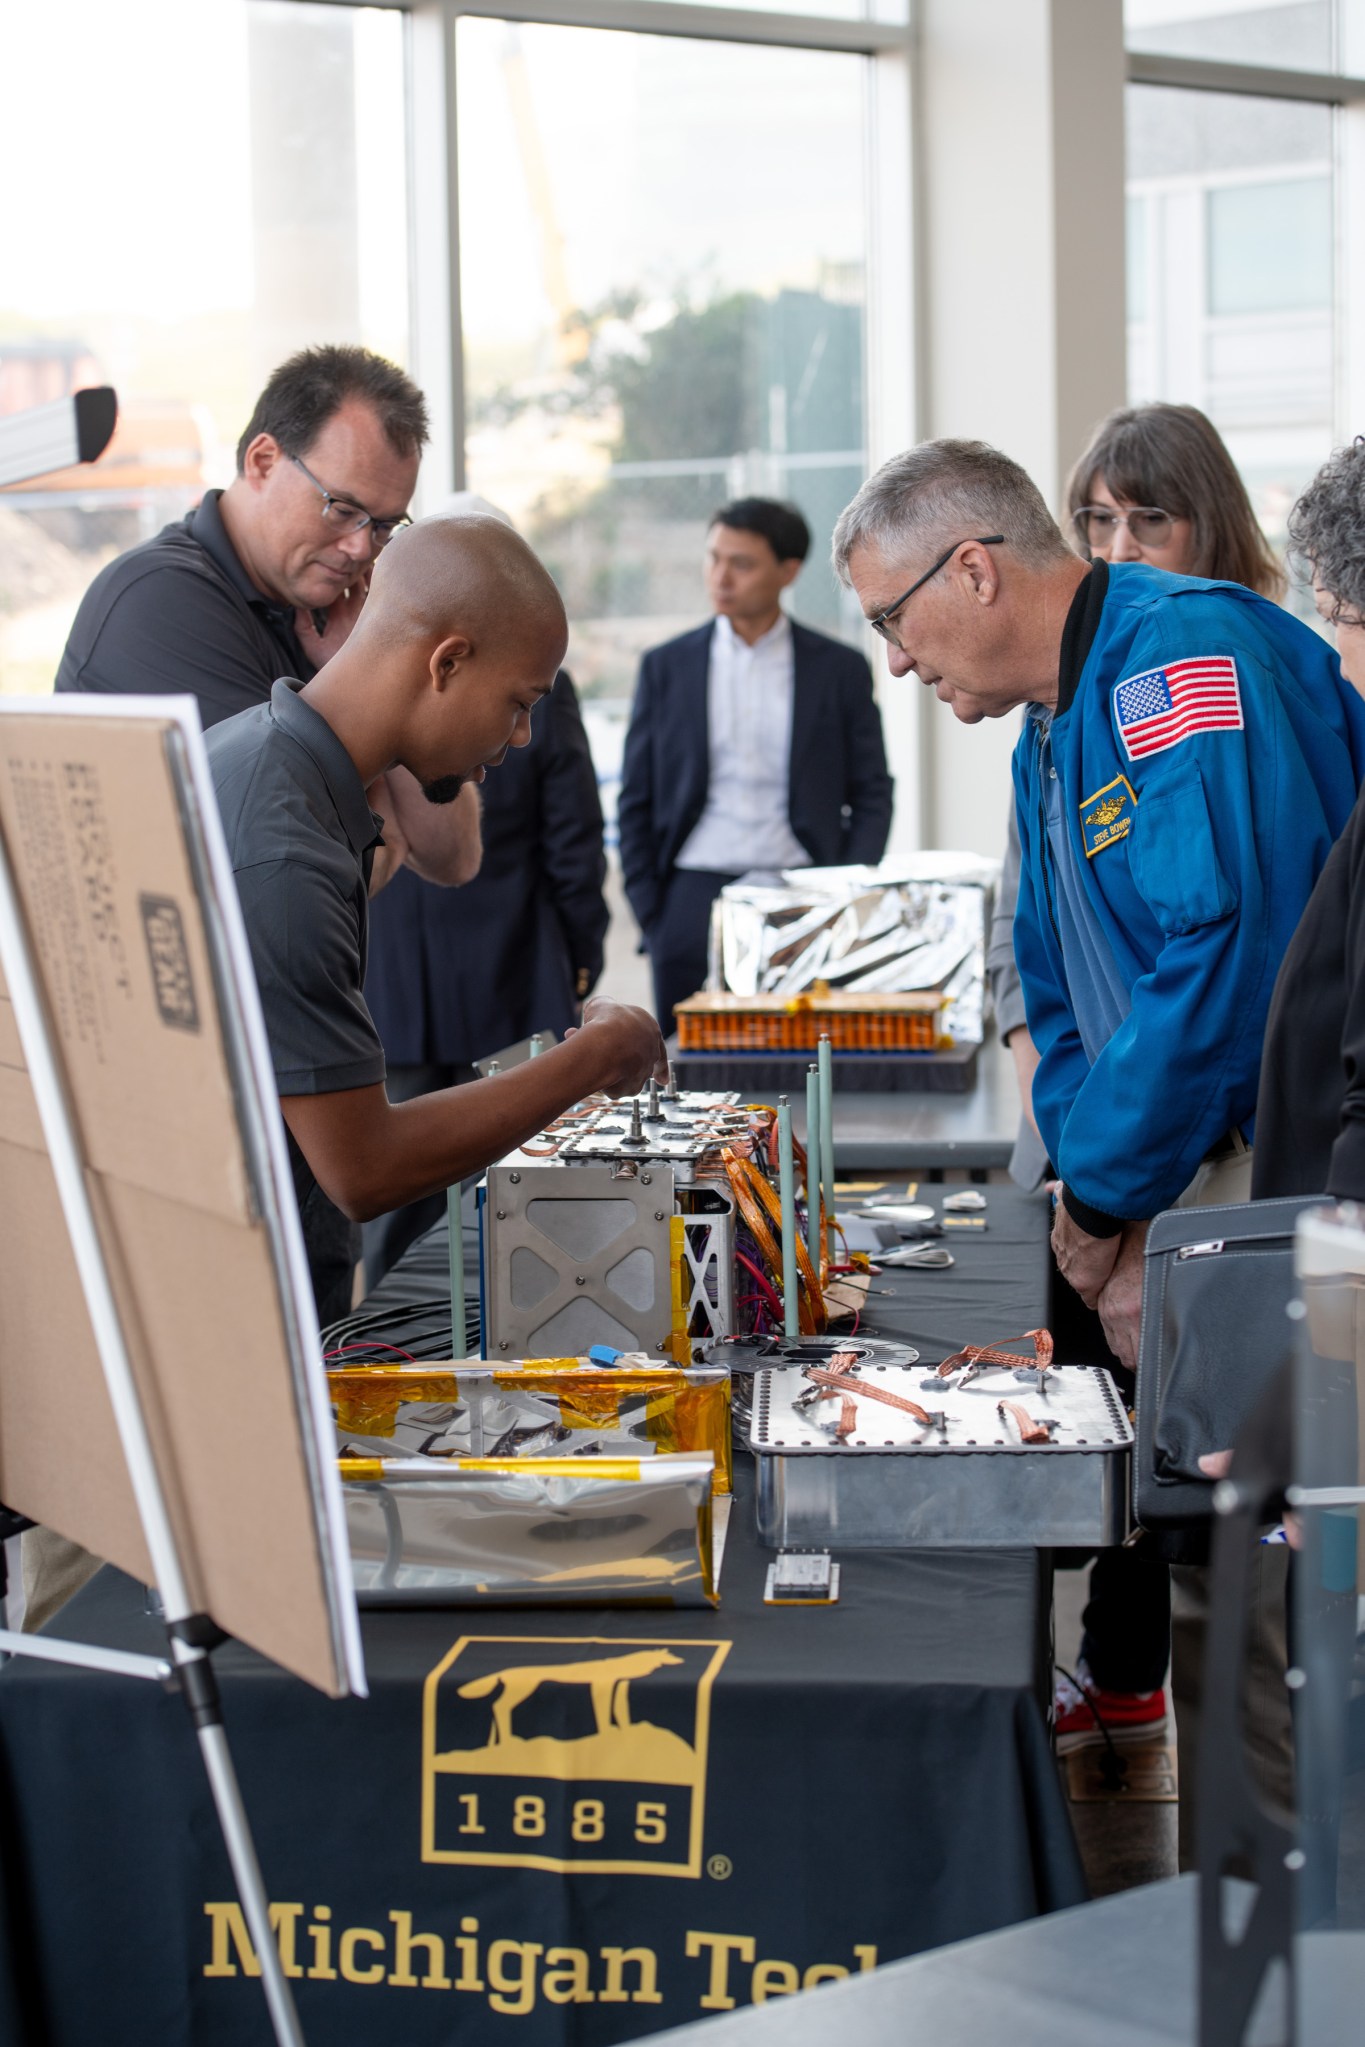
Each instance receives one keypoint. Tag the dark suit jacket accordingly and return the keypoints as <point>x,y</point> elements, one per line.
<point>838,789</point>
<point>457,973</point>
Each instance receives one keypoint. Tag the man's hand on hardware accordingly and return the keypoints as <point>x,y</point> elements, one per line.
<point>629,1042</point>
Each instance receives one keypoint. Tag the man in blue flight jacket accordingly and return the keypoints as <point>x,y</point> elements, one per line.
<point>1189,754</point>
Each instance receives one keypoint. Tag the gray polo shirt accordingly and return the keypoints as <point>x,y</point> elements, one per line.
<point>301,839</point>
<point>180,614</point>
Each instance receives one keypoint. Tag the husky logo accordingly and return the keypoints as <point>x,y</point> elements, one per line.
<point>607,1683</point>
<point>564,1753</point>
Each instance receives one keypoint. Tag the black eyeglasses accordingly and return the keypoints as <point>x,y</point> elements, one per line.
<point>882,622</point>
<point>345,517</point>
<point>1148,525</point>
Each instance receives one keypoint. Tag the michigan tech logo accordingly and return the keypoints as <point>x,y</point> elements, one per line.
<point>568,1753</point>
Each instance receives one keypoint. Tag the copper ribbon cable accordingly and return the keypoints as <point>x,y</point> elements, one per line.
<point>988,1354</point>
<point>1030,1431</point>
<point>757,1202</point>
<point>843,1382</point>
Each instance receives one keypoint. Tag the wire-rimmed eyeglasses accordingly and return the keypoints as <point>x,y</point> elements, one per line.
<point>1148,525</point>
<point>343,515</point>
<point>882,622</point>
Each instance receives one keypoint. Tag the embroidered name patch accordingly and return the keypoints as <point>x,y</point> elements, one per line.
<point>1162,706</point>
<point>1107,816</point>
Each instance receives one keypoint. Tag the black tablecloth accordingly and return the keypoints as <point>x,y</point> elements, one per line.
<point>997,1286</point>
<point>831,1786</point>
<point>875,1779</point>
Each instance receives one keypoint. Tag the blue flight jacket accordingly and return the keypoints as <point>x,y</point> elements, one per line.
<point>1191,859</point>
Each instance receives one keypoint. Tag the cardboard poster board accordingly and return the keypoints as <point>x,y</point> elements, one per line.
<point>113,837</point>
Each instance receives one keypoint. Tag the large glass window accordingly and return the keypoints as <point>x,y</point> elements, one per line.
<point>662,280</point>
<point>1230,302</point>
<point>207,188</point>
<point>894,11</point>
<point>1294,37</point>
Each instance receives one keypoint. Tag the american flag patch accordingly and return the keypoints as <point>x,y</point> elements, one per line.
<point>1162,706</point>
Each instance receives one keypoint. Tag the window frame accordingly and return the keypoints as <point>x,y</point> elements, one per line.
<point>1343,93</point>
<point>892,356</point>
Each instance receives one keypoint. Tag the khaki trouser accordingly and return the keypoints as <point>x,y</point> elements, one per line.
<point>1265,1698</point>
<point>54,1570</point>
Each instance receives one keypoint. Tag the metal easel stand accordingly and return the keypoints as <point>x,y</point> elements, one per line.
<point>192,1635</point>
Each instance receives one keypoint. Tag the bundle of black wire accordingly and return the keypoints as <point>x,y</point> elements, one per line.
<point>408,1314</point>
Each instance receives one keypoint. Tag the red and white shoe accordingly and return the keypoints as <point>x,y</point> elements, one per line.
<point>1127,1716</point>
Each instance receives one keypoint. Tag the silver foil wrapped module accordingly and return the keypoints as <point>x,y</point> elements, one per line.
<point>918,921</point>
<point>437,1414</point>
<point>614,1531</point>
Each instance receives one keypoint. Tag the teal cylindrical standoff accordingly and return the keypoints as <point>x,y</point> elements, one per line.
<point>826,1064</point>
<point>455,1229</point>
<point>813,1165</point>
<point>786,1168</point>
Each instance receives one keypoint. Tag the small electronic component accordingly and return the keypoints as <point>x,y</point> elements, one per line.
<point>898,1212</point>
<point>802,1578</point>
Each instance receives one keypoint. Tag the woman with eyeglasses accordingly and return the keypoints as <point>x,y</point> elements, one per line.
<point>1157,485</point>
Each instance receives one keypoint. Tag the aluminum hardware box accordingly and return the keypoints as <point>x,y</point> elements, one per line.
<point>594,1234</point>
<point>895,1484</point>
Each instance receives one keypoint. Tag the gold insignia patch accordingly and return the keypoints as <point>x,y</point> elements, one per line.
<point>1107,816</point>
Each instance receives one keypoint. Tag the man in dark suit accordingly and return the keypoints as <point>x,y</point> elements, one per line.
<point>753,743</point>
<point>456,974</point>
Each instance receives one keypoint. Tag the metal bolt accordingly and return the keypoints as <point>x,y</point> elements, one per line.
<point>501,1214</point>
<point>503,1343</point>
<point>515,1178</point>
<point>660,1215</point>
<point>645,1179</point>
<point>580,1279</point>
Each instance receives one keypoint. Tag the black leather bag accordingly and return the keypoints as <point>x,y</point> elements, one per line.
<point>1216,1285</point>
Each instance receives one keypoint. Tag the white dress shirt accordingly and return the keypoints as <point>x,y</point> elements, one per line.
<point>749,706</point>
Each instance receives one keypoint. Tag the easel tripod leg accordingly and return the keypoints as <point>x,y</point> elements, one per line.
<point>200,1687</point>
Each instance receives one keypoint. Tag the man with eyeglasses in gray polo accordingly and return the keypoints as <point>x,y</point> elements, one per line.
<point>267,578</point>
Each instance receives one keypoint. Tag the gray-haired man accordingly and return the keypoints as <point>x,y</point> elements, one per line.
<point>1189,754</point>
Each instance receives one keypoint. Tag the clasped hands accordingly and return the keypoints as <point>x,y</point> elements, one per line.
<point>1107,1274</point>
